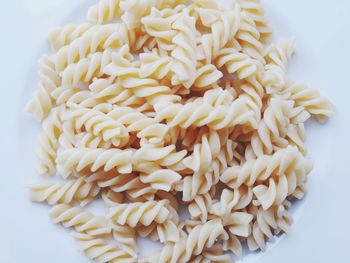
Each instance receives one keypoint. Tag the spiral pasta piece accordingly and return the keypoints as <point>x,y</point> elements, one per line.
<point>277,57</point>
<point>223,29</point>
<point>237,62</point>
<point>134,214</point>
<point>206,76</point>
<point>273,128</point>
<point>96,40</point>
<point>101,251</point>
<point>203,153</point>
<point>248,37</point>
<point>63,36</point>
<point>199,238</point>
<point>200,207</point>
<point>238,223</point>
<point>129,77</point>
<point>213,254</point>
<point>148,158</point>
<point>129,184</point>
<point>161,179</point>
<point>82,221</point>
<point>275,219</point>
<point>232,201</point>
<point>65,193</point>
<point>49,143</point>
<point>42,102</point>
<point>86,69</point>
<point>103,12</point>
<point>200,114</point>
<point>145,127</point>
<point>126,237</point>
<point>100,125</point>
<point>134,10</point>
<point>159,25</point>
<point>311,100</point>
<point>113,93</point>
<point>156,65</point>
<point>285,162</point>
<point>255,10</point>
<point>93,159</point>
<point>184,52</point>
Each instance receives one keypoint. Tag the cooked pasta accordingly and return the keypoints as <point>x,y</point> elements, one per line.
<point>160,106</point>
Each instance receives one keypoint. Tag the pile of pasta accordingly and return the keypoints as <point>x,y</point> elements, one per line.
<point>154,105</point>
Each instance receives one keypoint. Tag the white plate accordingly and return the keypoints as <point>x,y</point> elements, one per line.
<point>320,232</point>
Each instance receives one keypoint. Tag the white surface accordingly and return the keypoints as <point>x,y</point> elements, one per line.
<point>320,232</point>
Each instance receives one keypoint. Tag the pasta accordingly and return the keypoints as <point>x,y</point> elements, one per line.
<point>140,213</point>
<point>82,221</point>
<point>100,250</point>
<point>103,12</point>
<point>65,193</point>
<point>158,106</point>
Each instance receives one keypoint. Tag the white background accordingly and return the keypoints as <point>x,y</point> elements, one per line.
<point>321,231</point>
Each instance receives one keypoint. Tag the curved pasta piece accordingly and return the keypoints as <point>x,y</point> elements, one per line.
<point>95,40</point>
<point>255,10</point>
<point>94,159</point>
<point>277,58</point>
<point>237,62</point>
<point>248,37</point>
<point>65,193</point>
<point>311,100</point>
<point>82,221</point>
<point>184,51</point>
<point>201,114</point>
<point>126,237</point>
<point>49,142</point>
<point>200,207</point>
<point>199,238</point>
<point>161,179</point>
<point>63,36</point>
<point>149,158</point>
<point>103,12</point>
<point>42,102</point>
<point>101,251</point>
<point>86,69</point>
<point>100,125</point>
<point>134,10</point>
<point>134,214</point>
<point>283,162</point>
<point>267,223</point>
<point>224,26</point>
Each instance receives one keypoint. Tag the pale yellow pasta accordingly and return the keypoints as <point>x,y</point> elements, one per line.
<point>42,103</point>
<point>184,50</point>
<point>86,69</point>
<point>101,251</point>
<point>77,159</point>
<point>277,57</point>
<point>66,193</point>
<point>82,221</point>
<point>49,143</point>
<point>126,237</point>
<point>62,36</point>
<point>140,213</point>
<point>103,12</point>
<point>158,106</point>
